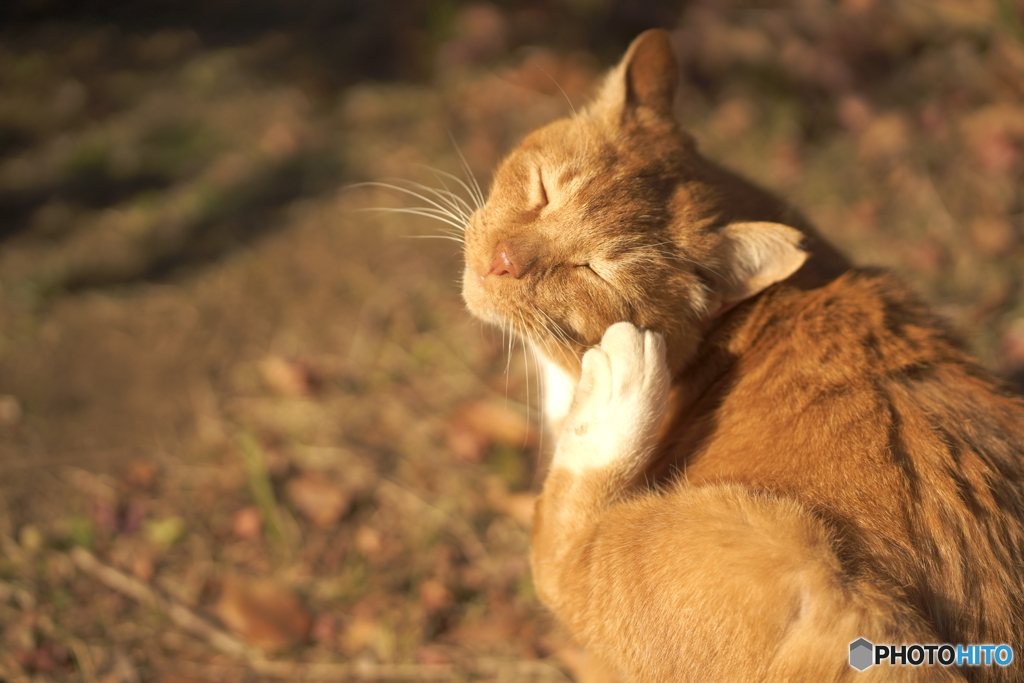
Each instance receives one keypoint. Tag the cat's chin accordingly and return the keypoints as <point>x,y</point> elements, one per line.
<point>478,301</point>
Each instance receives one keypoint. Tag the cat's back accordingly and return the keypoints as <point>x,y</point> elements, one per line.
<point>855,400</point>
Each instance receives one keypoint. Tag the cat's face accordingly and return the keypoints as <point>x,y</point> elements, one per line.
<point>611,216</point>
<point>574,238</point>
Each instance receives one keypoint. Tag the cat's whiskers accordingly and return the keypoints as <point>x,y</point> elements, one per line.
<point>540,394</point>
<point>426,213</point>
<point>451,201</point>
<point>529,336</point>
<point>448,208</point>
<point>560,335</point>
<point>475,191</point>
<point>451,238</point>
<point>466,205</point>
<point>508,350</point>
<point>458,216</point>
<point>526,337</point>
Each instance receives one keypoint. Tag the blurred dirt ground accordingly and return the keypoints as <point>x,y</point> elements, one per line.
<point>247,430</point>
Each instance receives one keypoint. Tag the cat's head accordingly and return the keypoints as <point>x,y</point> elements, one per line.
<point>612,215</point>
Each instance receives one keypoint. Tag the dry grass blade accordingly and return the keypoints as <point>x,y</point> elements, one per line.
<point>262,490</point>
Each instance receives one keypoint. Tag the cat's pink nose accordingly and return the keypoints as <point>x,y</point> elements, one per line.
<point>506,261</point>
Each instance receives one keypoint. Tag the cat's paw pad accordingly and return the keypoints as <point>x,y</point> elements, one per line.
<point>619,401</point>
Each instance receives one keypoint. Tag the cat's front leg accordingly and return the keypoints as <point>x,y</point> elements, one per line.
<point>607,437</point>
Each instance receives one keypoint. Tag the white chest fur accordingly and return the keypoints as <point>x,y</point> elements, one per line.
<point>558,390</point>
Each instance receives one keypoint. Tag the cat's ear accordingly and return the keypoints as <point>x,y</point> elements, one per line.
<point>755,256</point>
<point>645,78</point>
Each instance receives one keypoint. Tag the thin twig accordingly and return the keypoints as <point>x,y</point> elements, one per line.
<point>182,616</point>
<point>228,644</point>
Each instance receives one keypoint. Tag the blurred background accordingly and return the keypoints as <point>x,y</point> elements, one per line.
<point>247,430</point>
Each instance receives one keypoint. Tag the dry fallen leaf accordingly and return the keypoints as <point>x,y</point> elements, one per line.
<point>319,499</point>
<point>992,235</point>
<point>324,630</point>
<point>48,657</point>
<point>464,443</point>
<point>359,633</point>
<point>31,539</point>
<point>434,595</point>
<point>884,138</point>
<point>279,141</point>
<point>518,506</point>
<point>994,134</point>
<point>500,625</point>
<point>140,473</point>
<point>432,654</point>
<point>475,426</point>
<point>368,542</point>
<point>247,523</point>
<point>285,377</point>
<point>10,411</point>
<point>263,612</point>
<point>135,555</point>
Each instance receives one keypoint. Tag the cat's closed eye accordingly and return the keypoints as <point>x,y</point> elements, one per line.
<point>538,194</point>
<point>591,271</point>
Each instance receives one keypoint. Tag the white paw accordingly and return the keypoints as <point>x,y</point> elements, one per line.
<point>619,402</point>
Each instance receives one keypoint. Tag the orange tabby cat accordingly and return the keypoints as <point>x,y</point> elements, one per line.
<point>765,454</point>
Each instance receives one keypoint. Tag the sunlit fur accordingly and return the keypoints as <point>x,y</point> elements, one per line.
<point>831,464</point>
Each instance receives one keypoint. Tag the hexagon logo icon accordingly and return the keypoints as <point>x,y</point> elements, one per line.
<point>861,654</point>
